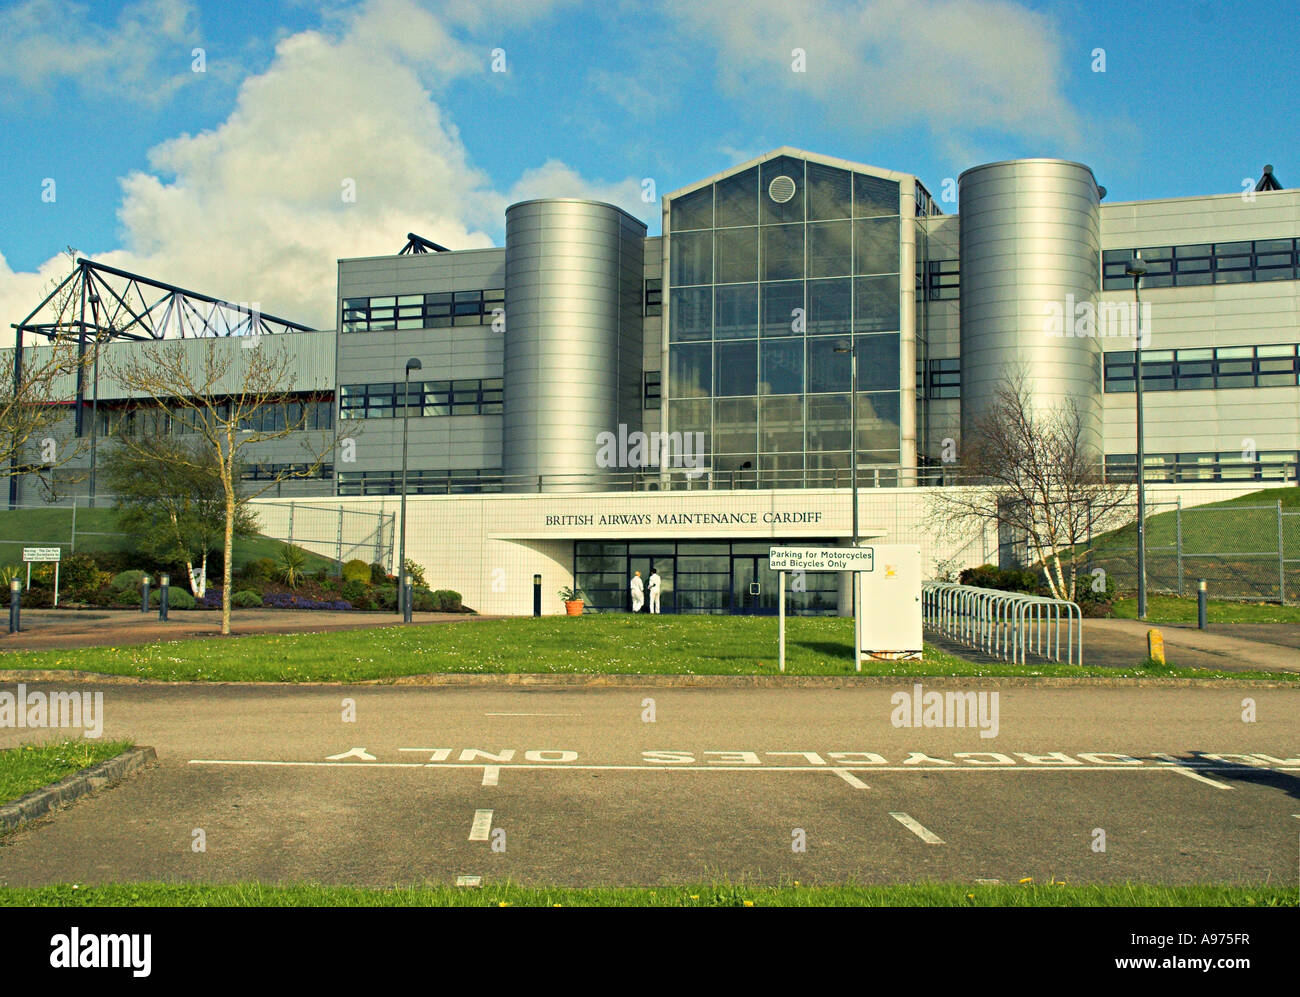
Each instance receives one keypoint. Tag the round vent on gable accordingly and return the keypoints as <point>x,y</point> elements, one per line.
<point>781,189</point>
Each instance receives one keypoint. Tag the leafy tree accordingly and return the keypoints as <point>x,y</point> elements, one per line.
<point>219,394</point>
<point>171,500</point>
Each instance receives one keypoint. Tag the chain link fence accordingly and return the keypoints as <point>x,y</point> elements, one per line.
<point>1247,552</point>
<point>336,532</point>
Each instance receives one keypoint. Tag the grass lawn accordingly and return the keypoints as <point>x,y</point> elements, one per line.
<point>701,895</point>
<point>28,767</point>
<point>1170,609</point>
<point>596,644</point>
<point>1245,525</point>
<point>97,530</point>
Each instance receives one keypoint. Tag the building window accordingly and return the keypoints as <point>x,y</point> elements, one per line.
<point>1226,465</point>
<point>478,396</point>
<point>149,419</point>
<point>944,378</point>
<point>1205,368</point>
<point>434,310</point>
<point>269,472</point>
<point>420,482</point>
<point>1187,266</point>
<point>654,297</point>
<point>650,393</point>
<point>944,279</point>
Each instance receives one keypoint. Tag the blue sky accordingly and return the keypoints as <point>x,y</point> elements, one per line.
<point>229,180</point>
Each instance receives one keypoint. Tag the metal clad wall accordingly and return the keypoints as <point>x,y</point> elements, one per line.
<point>1030,243</point>
<point>564,300</point>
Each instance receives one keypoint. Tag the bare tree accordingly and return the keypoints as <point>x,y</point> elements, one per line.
<point>36,386</point>
<point>222,395</point>
<point>1032,472</point>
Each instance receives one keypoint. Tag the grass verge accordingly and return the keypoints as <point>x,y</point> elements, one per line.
<point>613,644</point>
<point>701,895</point>
<point>28,767</point>
<point>1171,609</point>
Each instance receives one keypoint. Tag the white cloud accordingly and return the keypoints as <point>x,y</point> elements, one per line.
<point>144,56</point>
<point>554,179</point>
<point>253,210</point>
<point>959,65</point>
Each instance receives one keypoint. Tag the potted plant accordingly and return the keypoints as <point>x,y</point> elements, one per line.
<point>573,599</point>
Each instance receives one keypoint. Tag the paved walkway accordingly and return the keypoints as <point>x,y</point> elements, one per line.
<point>1233,647</point>
<point>56,629</point>
<point>1123,644</point>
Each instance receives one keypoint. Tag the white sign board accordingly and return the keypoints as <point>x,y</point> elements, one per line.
<point>41,553</point>
<point>889,602</point>
<point>821,559</point>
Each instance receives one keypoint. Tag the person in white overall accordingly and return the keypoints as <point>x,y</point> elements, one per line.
<point>638,592</point>
<point>654,590</point>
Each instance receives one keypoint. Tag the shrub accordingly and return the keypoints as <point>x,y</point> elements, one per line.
<point>211,598</point>
<point>357,571</point>
<point>247,599</point>
<point>124,599</point>
<point>177,598</point>
<point>378,574</point>
<point>447,601</point>
<point>416,574</point>
<point>79,577</point>
<point>988,576</point>
<point>358,593</point>
<point>259,571</point>
<point>385,597</point>
<point>291,600</point>
<point>9,572</point>
<point>126,581</point>
<point>292,562</point>
<point>422,601</point>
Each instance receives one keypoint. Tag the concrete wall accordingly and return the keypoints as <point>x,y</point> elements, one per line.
<point>487,547</point>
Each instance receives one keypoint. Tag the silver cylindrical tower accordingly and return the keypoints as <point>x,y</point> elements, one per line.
<point>562,339</point>
<point>1030,274</point>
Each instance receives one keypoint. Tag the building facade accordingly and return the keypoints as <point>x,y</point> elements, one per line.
<point>591,401</point>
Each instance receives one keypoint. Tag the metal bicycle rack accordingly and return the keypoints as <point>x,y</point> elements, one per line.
<point>1008,625</point>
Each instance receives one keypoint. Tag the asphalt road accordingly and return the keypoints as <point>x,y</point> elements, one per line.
<point>720,783</point>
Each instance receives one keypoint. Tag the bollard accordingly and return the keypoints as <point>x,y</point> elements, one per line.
<point>144,594</point>
<point>537,595</point>
<point>406,602</point>
<point>1202,605</point>
<point>1156,646</point>
<point>164,581</point>
<point>15,604</point>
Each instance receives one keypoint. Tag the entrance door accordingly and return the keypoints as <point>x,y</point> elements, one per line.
<point>753,585</point>
<point>643,564</point>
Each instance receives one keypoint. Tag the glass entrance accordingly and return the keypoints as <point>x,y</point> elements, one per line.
<point>753,585</point>
<point>644,564</point>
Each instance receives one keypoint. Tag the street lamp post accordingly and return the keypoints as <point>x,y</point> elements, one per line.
<point>402,601</point>
<point>852,351</point>
<point>1137,270</point>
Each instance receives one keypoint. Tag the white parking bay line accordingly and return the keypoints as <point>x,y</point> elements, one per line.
<point>1184,770</point>
<point>491,774</point>
<point>924,833</point>
<point>850,778</point>
<point>482,826</point>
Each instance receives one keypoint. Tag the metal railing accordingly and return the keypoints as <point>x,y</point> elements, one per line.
<point>1007,625</point>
